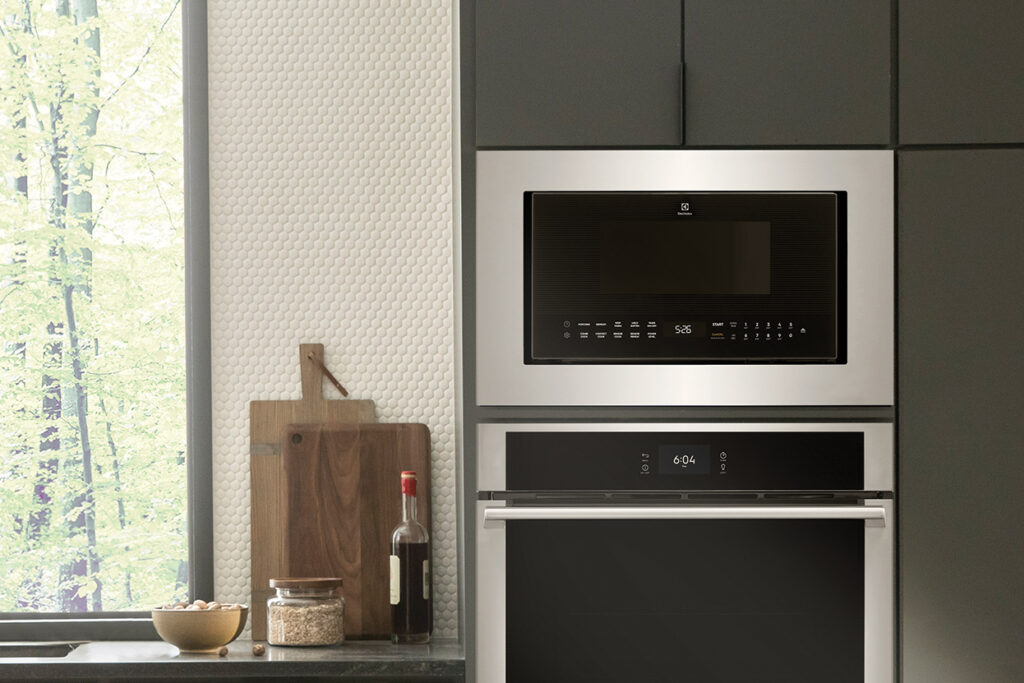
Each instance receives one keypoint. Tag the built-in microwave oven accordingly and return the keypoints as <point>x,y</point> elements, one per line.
<point>684,277</point>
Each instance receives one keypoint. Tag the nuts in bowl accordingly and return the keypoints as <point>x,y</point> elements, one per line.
<point>200,626</point>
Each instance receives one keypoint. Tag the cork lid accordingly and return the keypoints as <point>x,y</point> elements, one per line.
<point>303,582</point>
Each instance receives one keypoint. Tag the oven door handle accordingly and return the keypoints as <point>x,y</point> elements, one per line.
<point>872,516</point>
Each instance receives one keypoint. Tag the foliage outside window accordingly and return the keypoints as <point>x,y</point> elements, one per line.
<point>92,315</point>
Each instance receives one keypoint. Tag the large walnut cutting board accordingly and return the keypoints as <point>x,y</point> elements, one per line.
<point>342,499</point>
<point>267,421</point>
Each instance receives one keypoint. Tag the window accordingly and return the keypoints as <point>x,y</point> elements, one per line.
<point>98,461</point>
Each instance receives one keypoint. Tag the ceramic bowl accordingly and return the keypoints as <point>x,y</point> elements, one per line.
<point>199,631</point>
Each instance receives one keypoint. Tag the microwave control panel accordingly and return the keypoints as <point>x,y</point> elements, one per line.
<point>709,338</point>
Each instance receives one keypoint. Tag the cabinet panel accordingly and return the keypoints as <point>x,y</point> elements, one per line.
<point>961,71</point>
<point>787,72</point>
<point>578,72</point>
<point>961,325</point>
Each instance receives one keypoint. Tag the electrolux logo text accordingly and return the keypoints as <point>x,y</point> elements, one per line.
<point>684,209</point>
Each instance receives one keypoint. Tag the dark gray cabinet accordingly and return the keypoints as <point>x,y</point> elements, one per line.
<point>961,331</point>
<point>961,72</point>
<point>607,73</point>
<point>589,73</point>
<point>787,72</point>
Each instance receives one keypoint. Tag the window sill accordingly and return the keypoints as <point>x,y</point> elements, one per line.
<point>442,661</point>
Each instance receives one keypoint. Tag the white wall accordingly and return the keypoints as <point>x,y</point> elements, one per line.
<point>332,221</point>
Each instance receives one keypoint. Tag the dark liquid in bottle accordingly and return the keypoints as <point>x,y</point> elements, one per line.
<point>412,618</point>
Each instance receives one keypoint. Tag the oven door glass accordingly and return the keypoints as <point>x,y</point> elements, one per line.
<point>714,601</point>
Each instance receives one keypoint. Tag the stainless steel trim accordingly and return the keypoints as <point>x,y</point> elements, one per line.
<point>494,515</point>
<point>490,601</point>
<point>879,598</point>
<point>865,379</point>
<point>878,442</point>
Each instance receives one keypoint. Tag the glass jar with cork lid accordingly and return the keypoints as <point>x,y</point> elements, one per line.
<point>306,612</point>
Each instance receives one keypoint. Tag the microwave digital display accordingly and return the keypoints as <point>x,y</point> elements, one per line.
<point>685,329</point>
<point>685,277</point>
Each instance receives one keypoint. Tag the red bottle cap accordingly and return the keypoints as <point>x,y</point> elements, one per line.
<point>409,483</point>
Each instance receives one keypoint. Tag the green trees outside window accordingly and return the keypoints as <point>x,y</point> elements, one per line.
<point>92,313</point>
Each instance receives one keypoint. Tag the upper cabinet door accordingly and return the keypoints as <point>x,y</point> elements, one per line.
<point>589,73</point>
<point>787,72</point>
<point>961,72</point>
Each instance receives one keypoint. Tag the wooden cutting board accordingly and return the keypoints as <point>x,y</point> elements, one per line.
<point>267,421</point>
<point>342,500</point>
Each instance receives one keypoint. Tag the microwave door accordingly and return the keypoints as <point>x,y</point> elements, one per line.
<point>738,277</point>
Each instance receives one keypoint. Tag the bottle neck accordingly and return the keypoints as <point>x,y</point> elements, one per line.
<point>408,508</point>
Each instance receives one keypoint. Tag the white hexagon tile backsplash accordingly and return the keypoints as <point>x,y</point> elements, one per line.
<point>331,221</point>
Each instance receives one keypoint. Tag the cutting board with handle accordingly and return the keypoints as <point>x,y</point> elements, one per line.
<point>267,421</point>
<point>342,499</point>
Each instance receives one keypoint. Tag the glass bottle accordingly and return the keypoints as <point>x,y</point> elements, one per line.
<point>412,616</point>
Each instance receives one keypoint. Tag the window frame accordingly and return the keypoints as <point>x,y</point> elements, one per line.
<point>138,625</point>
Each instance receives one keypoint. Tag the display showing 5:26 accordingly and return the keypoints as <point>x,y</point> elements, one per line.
<point>685,328</point>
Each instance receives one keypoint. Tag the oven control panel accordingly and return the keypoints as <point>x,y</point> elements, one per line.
<point>653,461</point>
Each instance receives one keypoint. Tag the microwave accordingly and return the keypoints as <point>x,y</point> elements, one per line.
<point>684,277</point>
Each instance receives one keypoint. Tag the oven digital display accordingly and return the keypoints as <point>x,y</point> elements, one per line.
<point>684,459</point>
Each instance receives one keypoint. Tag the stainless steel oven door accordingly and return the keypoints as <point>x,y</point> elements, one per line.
<point>708,593</point>
<point>504,378</point>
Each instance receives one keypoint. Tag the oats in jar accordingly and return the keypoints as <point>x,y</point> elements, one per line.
<point>306,612</point>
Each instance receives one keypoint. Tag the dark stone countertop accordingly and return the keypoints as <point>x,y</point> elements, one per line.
<point>441,661</point>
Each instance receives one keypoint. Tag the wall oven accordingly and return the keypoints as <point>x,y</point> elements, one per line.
<point>665,551</point>
<point>684,277</point>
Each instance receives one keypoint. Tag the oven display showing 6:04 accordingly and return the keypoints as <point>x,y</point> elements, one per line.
<point>677,459</point>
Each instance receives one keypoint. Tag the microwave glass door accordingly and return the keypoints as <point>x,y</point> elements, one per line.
<point>685,277</point>
<point>715,601</point>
